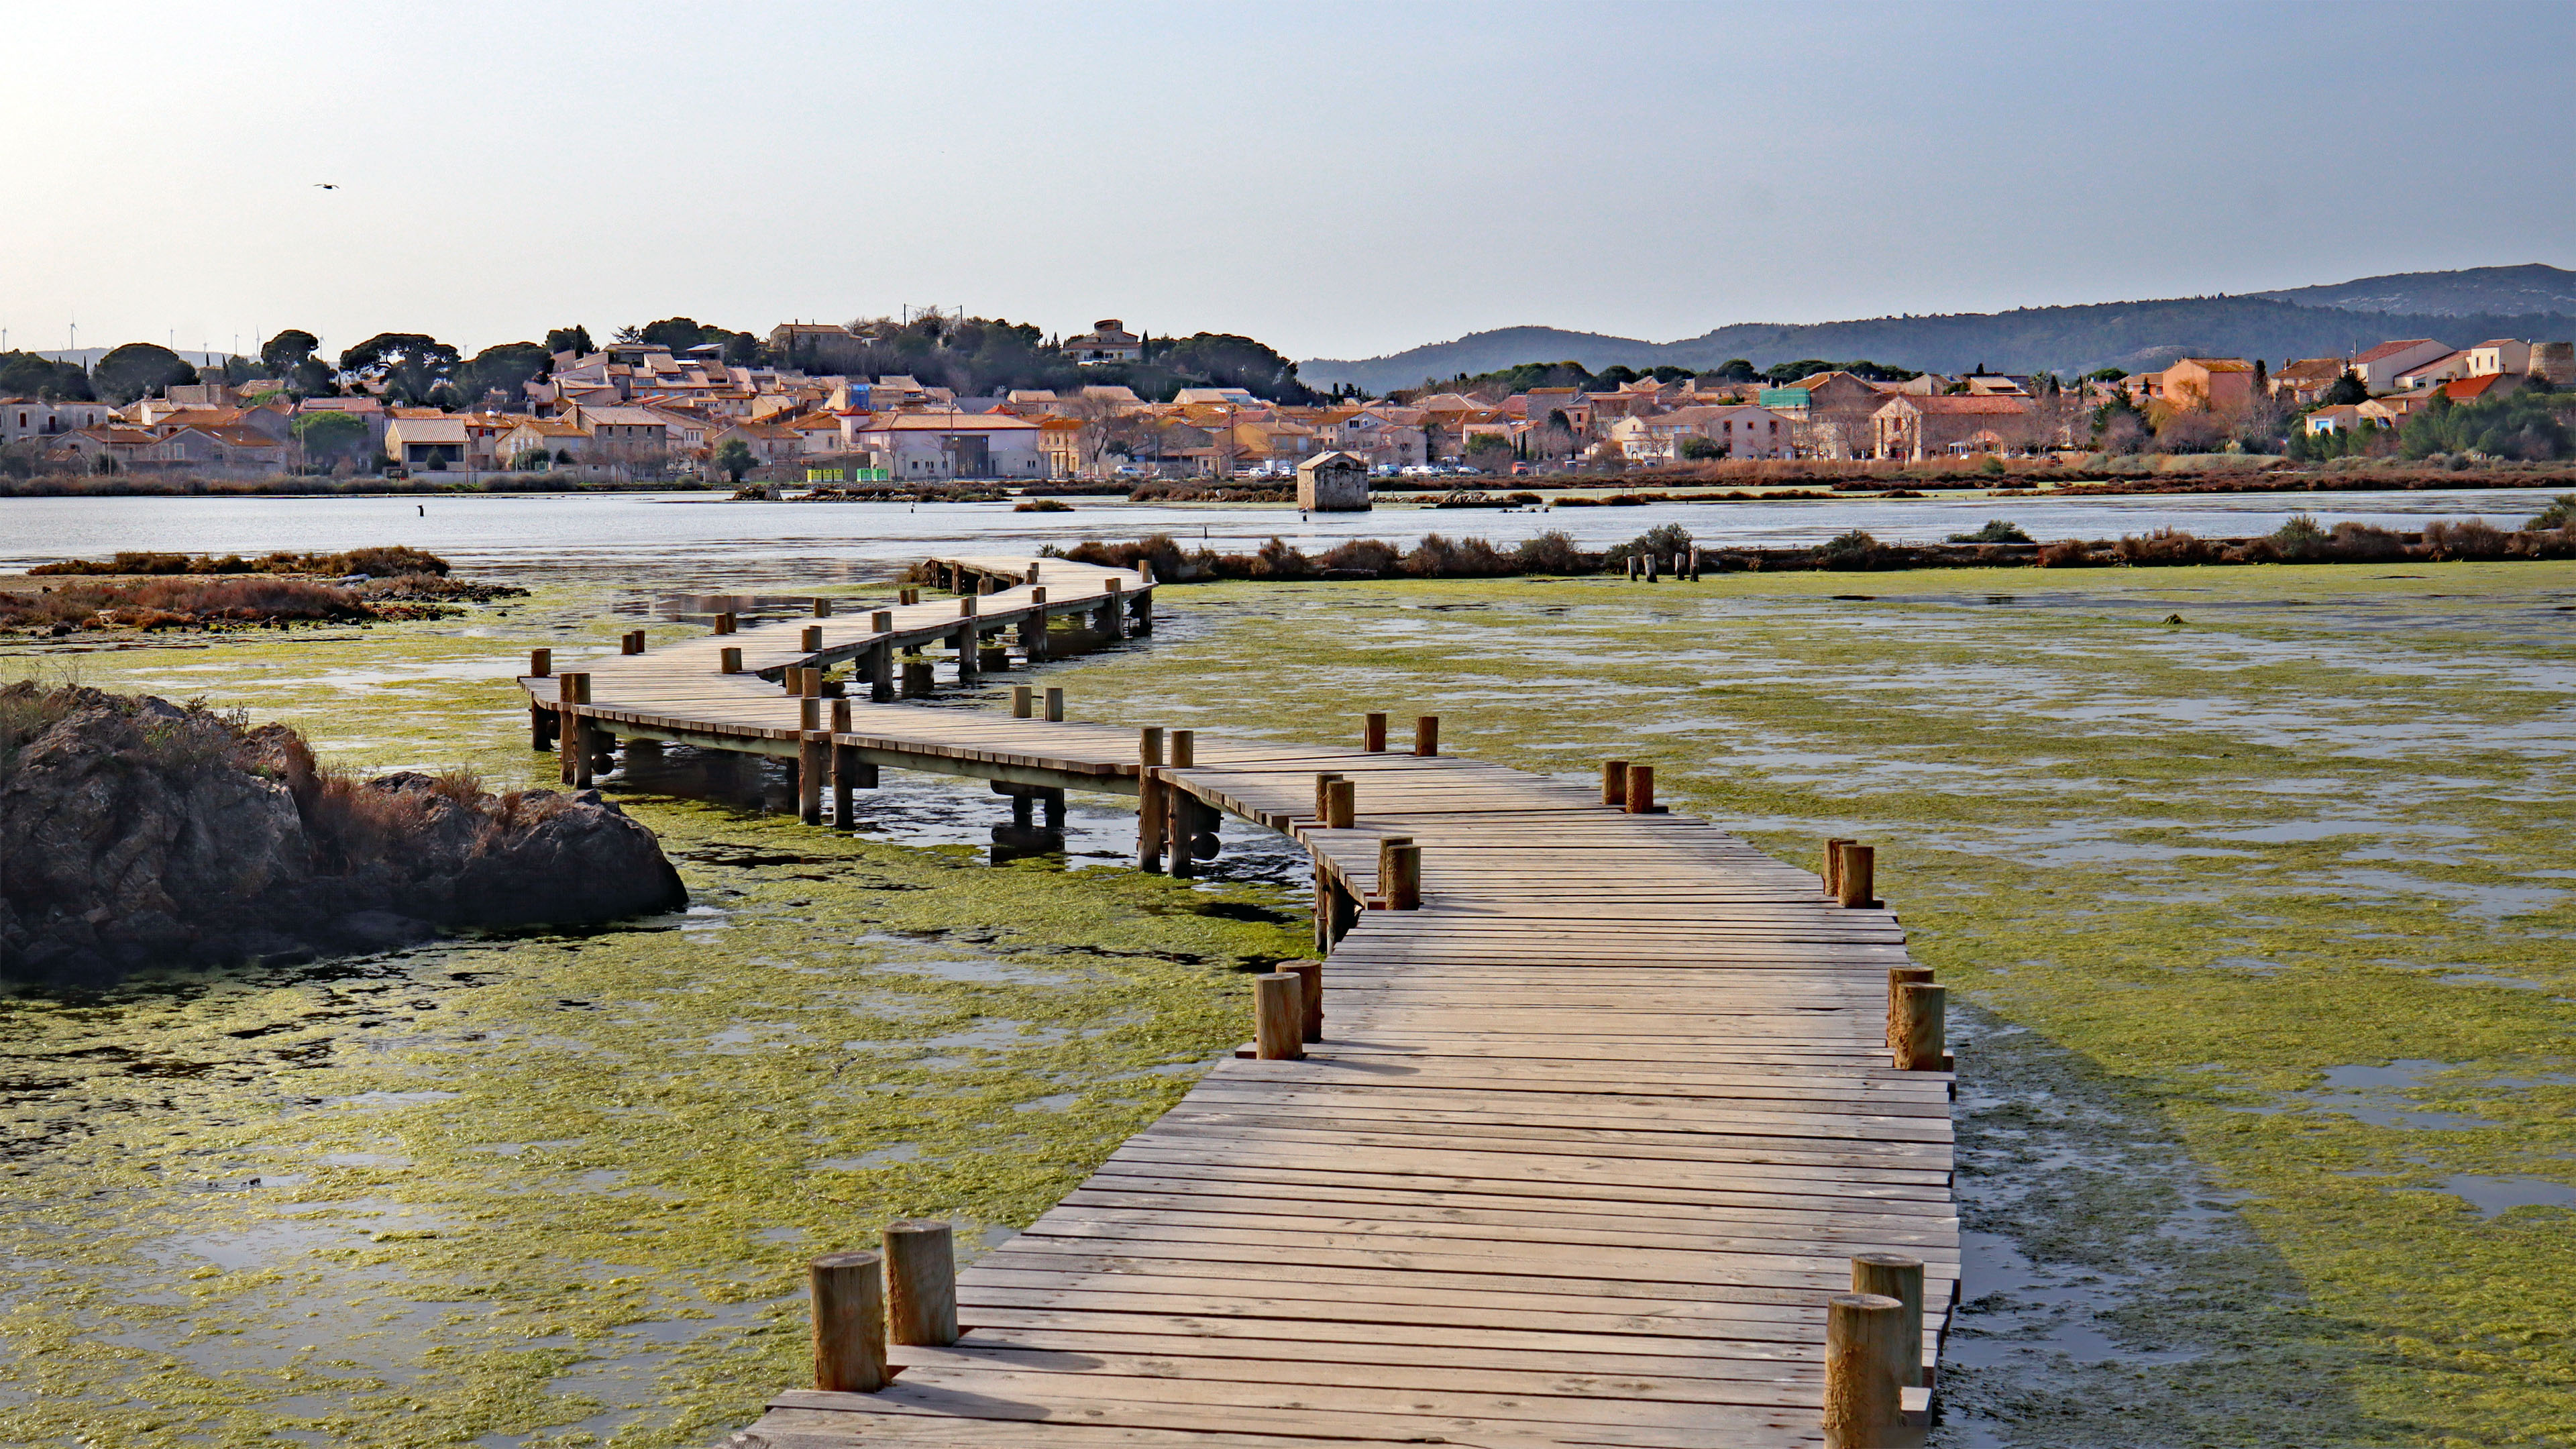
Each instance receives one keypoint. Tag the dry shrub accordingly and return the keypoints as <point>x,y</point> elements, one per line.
<point>1362,555</point>
<point>2067,553</point>
<point>2168,547</point>
<point>1440,558</point>
<point>356,825</point>
<point>2469,538</point>
<point>1554,552</point>
<point>2364,543</point>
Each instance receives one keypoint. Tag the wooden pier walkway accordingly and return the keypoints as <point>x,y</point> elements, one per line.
<point>1591,1136</point>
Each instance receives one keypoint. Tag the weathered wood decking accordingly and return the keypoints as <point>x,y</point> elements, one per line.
<point>1591,1137</point>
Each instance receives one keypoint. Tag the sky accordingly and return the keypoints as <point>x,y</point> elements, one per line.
<point>1338,180</point>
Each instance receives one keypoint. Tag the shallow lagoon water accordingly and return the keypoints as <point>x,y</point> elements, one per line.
<point>2188,880</point>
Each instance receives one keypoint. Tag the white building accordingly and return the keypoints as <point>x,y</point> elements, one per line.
<point>26,417</point>
<point>924,446</point>
<point>2378,368</point>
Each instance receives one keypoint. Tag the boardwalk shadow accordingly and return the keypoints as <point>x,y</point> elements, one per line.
<point>2113,1299</point>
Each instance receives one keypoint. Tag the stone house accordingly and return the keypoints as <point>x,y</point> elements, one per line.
<point>1334,482</point>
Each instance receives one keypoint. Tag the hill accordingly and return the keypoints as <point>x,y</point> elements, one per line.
<point>2496,291</point>
<point>2067,340</point>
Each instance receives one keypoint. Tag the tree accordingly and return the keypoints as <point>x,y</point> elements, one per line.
<point>1227,360</point>
<point>569,339</point>
<point>138,369</point>
<point>506,368</point>
<point>1735,369</point>
<point>734,459</point>
<point>2347,391</point>
<point>328,436</point>
<point>24,374</point>
<point>408,364</point>
<point>1696,449</point>
<point>286,349</point>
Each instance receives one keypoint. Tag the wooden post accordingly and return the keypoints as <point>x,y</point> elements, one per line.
<point>727,623</point>
<point>822,608</point>
<point>1373,732</point>
<point>1864,1401</point>
<point>1641,789</point>
<point>1651,561</point>
<point>812,640</point>
<point>1023,701</point>
<point>541,726</point>
<point>1894,1275</point>
<point>845,759</point>
<point>1832,874</point>
<point>1898,978</point>
<point>921,1283</point>
<point>1614,783</point>
<point>1636,568</point>
<point>881,622</point>
<point>916,679</point>
<point>1278,1018</point>
<point>1310,997</point>
<point>1399,873</point>
<point>1113,614</point>
<point>1323,790</point>
<point>1185,749</point>
<point>541,662</point>
<point>1921,1009</point>
<point>1150,802</point>
<point>1055,704</point>
<point>1341,804</point>
<point>849,1323</point>
<point>1426,735</point>
<point>630,643</point>
<point>572,734</point>
<point>813,758</point>
<point>1180,819</point>
<point>729,660</point>
<point>1856,882</point>
<point>881,671</point>
<point>907,597</point>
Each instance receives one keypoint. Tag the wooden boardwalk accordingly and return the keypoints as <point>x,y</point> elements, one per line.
<point>1591,1137</point>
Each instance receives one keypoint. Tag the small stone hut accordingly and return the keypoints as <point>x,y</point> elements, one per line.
<point>1333,482</point>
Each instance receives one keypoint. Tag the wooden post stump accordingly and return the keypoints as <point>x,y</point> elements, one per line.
<point>1921,1012</point>
<point>916,679</point>
<point>1150,794</point>
<point>1055,704</point>
<point>630,643</point>
<point>822,608</point>
<point>993,659</point>
<point>881,622</point>
<point>541,662</point>
<point>1185,749</point>
<point>1310,997</point>
<point>849,1323</point>
<point>1614,783</point>
<point>1399,873</point>
<point>572,736</point>
<point>729,661</point>
<point>921,1283</point>
<point>1897,1276</point>
<point>728,624</point>
<point>1323,792</point>
<point>1341,804</point>
<point>1024,701</point>
<point>811,641</point>
<point>1373,732</point>
<point>1426,735</point>
<point>1898,978</point>
<point>1641,790</point>
<point>1180,821</point>
<point>881,671</point>
<point>1278,1018</point>
<point>1832,874</point>
<point>1864,1401</point>
<point>1856,879</point>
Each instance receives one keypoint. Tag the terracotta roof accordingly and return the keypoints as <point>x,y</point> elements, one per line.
<point>1996,404</point>
<point>2391,349</point>
<point>948,423</point>
<point>2217,364</point>
<point>2307,368</point>
<point>2468,389</point>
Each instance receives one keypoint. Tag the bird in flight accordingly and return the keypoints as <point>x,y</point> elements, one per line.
<point>328,185</point>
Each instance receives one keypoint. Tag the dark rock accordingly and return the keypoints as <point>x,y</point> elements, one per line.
<point>135,832</point>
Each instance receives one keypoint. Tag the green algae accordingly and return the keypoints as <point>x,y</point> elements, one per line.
<point>559,1187</point>
<point>2319,823</point>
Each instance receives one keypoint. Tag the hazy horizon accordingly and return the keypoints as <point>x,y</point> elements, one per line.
<point>1336,180</point>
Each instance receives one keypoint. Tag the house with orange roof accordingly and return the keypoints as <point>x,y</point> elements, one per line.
<point>2302,382</point>
<point>923,446</point>
<point>2207,384</point>
<point>2433,373</point>
<point>1916,428</point>
<point>2378,367</point>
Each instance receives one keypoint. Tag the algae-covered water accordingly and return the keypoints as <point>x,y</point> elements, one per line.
<point>2259,922</point>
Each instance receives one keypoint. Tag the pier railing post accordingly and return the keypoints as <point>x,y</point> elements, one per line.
<point>813,757</point>
<point>1921,1011</point>
<point>822,608</point>
<point>1054,704</point>
<point>1864,1400</point>
<point>1898,978</point>
<point>1614,783</point>
<point>1641,790</point>
<point>1897,1276</point>
<point>541,719</point>
<point>1341,804</point>
<point>729,660</point>
<point>1426,735</point>
<point>1024,700</point>
<point>1832,874</point>
<point>1373,732</point>
<point>1856,876</point>
<point>1278,1017</point>
<point>1323,794</point>
<point>921,1283</point>
<point>1310,997</point>
<point>849,1322</point>
<point>845,767</point>
<point>811,641</point>
<point>1399,873</point>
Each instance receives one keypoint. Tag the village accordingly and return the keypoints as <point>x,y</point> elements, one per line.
<point>643,410</point>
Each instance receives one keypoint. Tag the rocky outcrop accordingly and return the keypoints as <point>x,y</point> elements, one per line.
<point>135,832</point>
